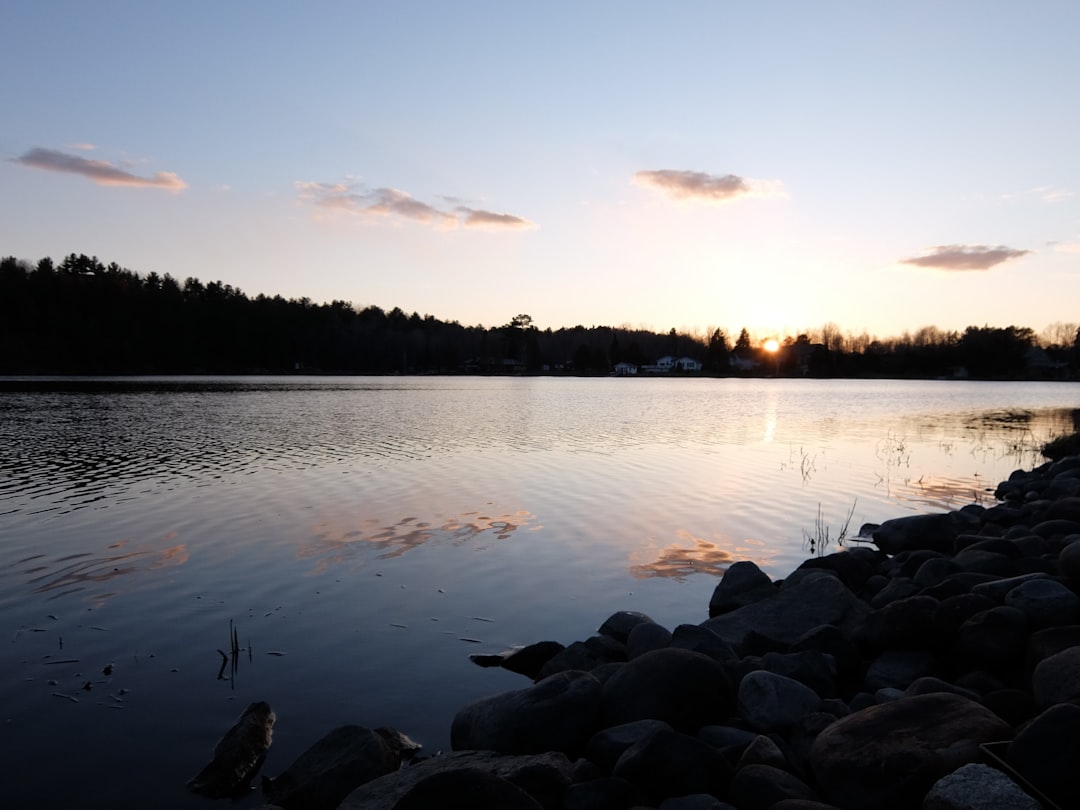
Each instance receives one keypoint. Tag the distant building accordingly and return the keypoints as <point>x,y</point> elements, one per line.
<point>625,369</point>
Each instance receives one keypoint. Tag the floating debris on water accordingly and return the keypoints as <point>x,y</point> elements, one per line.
<point>72,698</point>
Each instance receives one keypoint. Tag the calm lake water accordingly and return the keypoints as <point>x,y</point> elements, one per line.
<point>365,535</point>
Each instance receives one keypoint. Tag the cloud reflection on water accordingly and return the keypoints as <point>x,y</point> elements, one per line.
<point>696,555</point>
<point>75,572</point>
<point>335,544</point>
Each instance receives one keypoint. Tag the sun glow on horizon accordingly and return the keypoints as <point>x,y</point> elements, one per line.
<point>772,345</point>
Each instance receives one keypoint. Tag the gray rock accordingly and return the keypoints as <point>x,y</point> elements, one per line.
<point>618,625</point>
<point>763,751</point>
<point>1046,752</point>
<point>1044,602</point>
<point>997,589</point>
<point>695,801</point>
<point>683,688</point>
<point>529,660</point>
<point>384,793</point>
<point>898,588</point>
<point>1057,679</point>
<point>898,669</point>
<point>993,639</point>
<point>887,757</point>
<point>978,787</point>
<point>342,760</point>
<point>702,640</point>
<point>742,584</point>
<point>818,598</point>
<point>467,787</point>
<point>668,763</point>
<point>1069,562</point>
<point>646,637</point>
<point>760,787</point>
<point>606,746</point>
<point>557,714</point>
<point>933,532</point>
<point>771,702</point>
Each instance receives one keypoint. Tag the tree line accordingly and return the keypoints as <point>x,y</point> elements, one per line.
<point>85,317</point>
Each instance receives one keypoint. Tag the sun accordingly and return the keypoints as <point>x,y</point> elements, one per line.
<point>772,345</point>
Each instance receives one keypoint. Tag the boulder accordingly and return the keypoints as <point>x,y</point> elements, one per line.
<point>238,755</point>
<point>342,760</point>
<point>932,532</point>
<point>557,714</point>
<point>997,589</point>
<point>1057,679</point>
<point>528,660</point>
<point>816,599</point>
<point>466,787</point>
<point>1046,752</point>
<point>603,793</point>
<point>701,639</point>
<point>898,669</point>
<point>1045,602</point>
<point>1069,562</point>
<point>742,584</point>
<point>760,787</point>
<point>647,637</point>
<point>606,746</point>
<point>619,624</point>
<point>695,801</point>
<point>978,787</point>
<point>771,702</point>
<point>551,769</point>
<point>994,639</point>
<point>683,688</point>
<point>763,751</point>
<point>888,756</point>
<point>668,763</point>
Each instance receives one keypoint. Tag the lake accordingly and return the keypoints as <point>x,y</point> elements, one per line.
<point>365,535</point>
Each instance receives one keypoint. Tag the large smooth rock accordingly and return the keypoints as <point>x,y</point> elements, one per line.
<point>606,746</point>
<point>646,637</point>
<point>557,714</point>
<point>1045,602</point>
<point>771,702</point>
<point>817,598</point>
<point>468,787</point>
<point>619,624</point>
<point>742,584</point>
<point>978,787</point>
<point>994,639</point>
<point>1046,752</point>
<point>668,763</point>
<point>888,756</point>
<point>238,755</point>
<point>327,772</point>
<point>683,688</point>
<point>916,532</point>
<point>384,793</point>
<point>760,787</point>
<point>1057,679</point>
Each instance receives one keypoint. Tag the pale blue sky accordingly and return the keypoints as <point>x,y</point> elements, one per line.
<point>776,165</point>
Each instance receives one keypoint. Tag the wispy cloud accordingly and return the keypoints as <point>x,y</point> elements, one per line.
<point>701,186</point>
<point>965,257</point>
<point>353,198</point>
<point>99,171</point>
<point>1048,194</point>
<point>1066,247</point>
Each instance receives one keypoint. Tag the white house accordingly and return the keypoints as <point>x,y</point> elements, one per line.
<point>624,369</point>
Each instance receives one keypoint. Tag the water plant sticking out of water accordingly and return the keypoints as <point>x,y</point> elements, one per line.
<point>818,542</point>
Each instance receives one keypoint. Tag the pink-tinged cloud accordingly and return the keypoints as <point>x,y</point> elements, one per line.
<point>965,257</point>
<point>393,203</point>
<point>474,218</point>
<point>99,171</point>
<point>700,186</point>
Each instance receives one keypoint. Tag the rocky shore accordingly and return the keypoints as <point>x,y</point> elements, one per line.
<point>936,667</point>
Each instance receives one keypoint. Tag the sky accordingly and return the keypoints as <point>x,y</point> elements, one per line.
<point>691,165</point>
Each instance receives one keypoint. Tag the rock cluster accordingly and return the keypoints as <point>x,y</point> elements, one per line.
<point>938,670</point>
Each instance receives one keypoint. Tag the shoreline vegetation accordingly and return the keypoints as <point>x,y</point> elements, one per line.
<point>83,317</point>
<point>933,662</point>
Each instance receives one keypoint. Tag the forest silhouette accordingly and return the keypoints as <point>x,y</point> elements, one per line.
<point>85,317</point>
